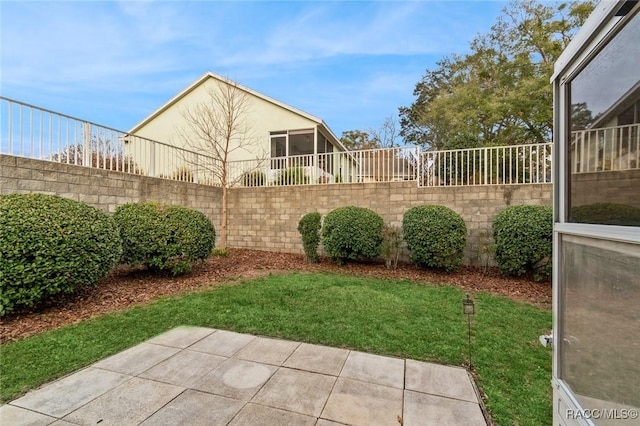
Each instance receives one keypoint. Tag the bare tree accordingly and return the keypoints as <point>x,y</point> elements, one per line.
<point>386,135</point>
<point>215,129</point>
<point>99,153</point>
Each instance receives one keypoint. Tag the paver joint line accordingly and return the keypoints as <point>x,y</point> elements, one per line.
<point>191,373</point>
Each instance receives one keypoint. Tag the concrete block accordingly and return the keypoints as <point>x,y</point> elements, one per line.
<point>7,160</point>
<point>107,199</point>
<point>37,174</point>
<point>32,185</point>
<point>122,200</point>
<point>7,183</point>
<point>58,187</point>
<point>89,199</point>
<point>71,178</point>
<point>22,173</point>
<point>70,195</point>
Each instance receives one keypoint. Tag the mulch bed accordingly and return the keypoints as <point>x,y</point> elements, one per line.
<point>126,287</point>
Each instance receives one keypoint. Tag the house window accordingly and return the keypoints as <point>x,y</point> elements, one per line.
<point>295,148</point>
<point>278,150</point>
<point>323,144</point>
<point>285,144</point>
<point>278,146</point>
<point>301,142</point>
<point>604,176</point>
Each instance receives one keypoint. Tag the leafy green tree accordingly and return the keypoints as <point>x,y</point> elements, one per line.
<point>499,93</point>
<point>358,139</point>
<point>581,116</point>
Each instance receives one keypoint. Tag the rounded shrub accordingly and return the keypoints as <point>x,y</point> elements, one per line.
<point>523,238</point>
<point>352,233</point>
<point>51,245</point>
<point>436,236</point>
<point>309,229</point>
<point>164,237</point>
<point>607,214</point>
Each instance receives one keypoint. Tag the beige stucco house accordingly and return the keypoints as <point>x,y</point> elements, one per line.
<point>280,136</point>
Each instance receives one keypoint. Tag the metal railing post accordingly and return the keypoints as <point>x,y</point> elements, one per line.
<point>486,166</point>
<point>86,145</point>
<point>152,159</point>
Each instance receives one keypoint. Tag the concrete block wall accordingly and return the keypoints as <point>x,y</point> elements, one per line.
<point>266,218</point>
<point>103,189</point>
<point>620,187</point>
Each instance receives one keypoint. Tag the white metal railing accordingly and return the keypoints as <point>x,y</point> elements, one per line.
<point>33,132</point>
<point>376,165</point>
<point>502,165</point>
<point>606,149</point>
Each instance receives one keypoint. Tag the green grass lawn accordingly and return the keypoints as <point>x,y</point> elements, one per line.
<point>398,318</point>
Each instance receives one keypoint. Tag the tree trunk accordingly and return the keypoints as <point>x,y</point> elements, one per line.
<point>223,219</point>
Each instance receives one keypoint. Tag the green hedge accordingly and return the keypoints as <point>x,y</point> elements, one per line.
<point>164,237</point>
<point>607,214</point>
<point>352,233</point>
<point>309,229</point>
<point>523,238</point>
<point>51,245</point>
<point>436,236</point>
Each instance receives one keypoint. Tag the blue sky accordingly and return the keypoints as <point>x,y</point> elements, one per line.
<point>113,63</point>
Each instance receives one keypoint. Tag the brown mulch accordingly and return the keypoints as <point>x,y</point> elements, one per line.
<point>125,287</point>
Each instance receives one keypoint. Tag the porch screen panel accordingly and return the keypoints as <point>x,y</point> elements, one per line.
<point>301,147</point>
<point>278,151</point>
<point>600,346</point>
<point>325,161</point>
<point>604,153</point>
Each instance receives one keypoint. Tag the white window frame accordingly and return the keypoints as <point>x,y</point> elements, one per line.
<point>599,29</point>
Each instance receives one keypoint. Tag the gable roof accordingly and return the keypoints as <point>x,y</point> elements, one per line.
<point>218,77</point>
<point>625,101</point>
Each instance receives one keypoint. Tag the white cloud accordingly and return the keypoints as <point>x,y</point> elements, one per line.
<point>62,43</point>
<point>68,44</point>
<point>319,56</point>
<point>380,28</point>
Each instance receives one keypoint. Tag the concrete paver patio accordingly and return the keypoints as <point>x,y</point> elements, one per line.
<point>202,376</point>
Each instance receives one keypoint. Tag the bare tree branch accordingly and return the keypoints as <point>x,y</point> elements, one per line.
<point>215,131</point>
<point>386,135</point>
